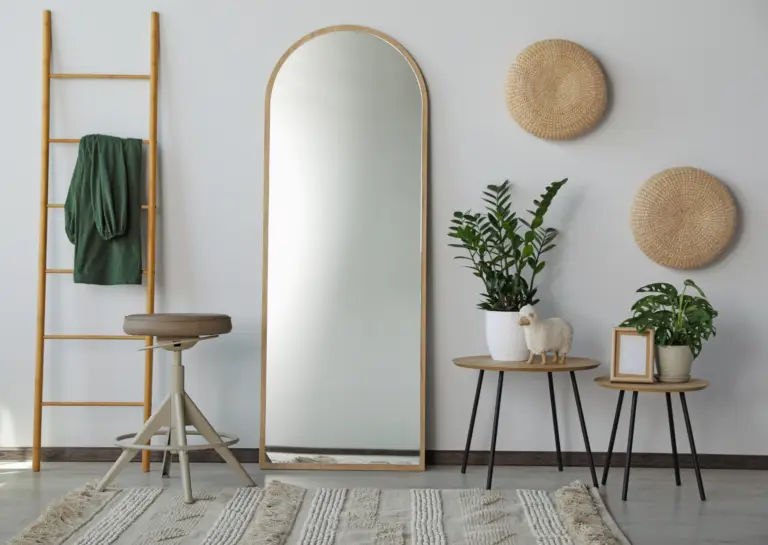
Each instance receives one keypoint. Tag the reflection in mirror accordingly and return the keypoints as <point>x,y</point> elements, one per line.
<point>345,176</point>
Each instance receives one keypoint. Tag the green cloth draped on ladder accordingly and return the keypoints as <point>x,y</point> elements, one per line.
<point>102,212</point>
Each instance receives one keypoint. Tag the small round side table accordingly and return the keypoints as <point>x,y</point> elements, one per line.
<point>486,363</point>
<point>658,387</point>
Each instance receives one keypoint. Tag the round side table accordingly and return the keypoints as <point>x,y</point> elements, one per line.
<point>658,387</point>
<point>486,363</point>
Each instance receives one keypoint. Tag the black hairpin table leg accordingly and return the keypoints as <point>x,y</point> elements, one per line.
<point>672,437</point>
<point>630,437</point>
<point>613,437</point>
<point>693,446</point>
<point>693,385</point>
<point>472,421</point>
<point>495,431</point>
<point>584,428</point>
<point>554,422</point>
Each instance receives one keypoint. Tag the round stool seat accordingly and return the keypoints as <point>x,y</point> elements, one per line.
<point>177,326</point>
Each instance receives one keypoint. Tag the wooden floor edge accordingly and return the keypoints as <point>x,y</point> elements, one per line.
<point>434,458</point>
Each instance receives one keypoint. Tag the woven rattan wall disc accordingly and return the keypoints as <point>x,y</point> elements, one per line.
<point>683,218</point>
<point>556,90</point>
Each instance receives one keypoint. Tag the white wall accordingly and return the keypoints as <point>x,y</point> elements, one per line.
<point>688,84</point>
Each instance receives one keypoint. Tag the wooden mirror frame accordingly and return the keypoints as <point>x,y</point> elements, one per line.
<point>264,463</point>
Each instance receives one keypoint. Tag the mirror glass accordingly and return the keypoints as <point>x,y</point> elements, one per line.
<point>346,133</point>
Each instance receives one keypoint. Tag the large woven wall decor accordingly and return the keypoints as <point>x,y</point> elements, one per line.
<point>683,218</point>
<point>556,90</point>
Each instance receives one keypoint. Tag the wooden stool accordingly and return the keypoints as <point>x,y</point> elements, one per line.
<point>177,332</point>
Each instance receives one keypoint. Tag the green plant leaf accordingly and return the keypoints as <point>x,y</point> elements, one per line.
<point>667,289</point>
<point>651,302</point>
<point>691,283</point>
<point>527,251</point>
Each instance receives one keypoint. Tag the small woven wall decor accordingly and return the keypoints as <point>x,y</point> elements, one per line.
<point>683,218</point>
<point>556,90</point>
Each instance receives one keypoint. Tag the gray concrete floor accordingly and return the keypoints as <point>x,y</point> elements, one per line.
<point>656,513</point>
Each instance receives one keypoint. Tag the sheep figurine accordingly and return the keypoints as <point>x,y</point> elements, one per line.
<point>541,336</point>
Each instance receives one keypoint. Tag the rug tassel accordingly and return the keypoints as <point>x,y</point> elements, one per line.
<point>581,517</point>
<point>63,518</point>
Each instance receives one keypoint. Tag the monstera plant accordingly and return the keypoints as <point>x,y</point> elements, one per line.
<point>681,323</point>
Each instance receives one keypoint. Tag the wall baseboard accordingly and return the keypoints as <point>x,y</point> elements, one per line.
<point>434,457</point>
<point>579,459</point>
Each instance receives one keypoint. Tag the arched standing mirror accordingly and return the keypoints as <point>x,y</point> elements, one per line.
<point>344,271</point>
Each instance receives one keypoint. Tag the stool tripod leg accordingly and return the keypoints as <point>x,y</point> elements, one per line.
<point>195,418</point>
<point>167,455</point>
<point>153,424</point>
<point>181,440</point>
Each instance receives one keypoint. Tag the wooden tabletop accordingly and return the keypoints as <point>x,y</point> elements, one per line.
<point>690,386</point>
<point>486,363</point>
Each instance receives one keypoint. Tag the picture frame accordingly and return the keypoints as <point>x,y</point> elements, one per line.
<point>632,355</point>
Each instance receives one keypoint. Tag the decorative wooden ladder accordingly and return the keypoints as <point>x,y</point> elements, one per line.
<point>45,206</point>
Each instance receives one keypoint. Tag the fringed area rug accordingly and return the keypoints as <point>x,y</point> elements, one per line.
<point>284,514</point>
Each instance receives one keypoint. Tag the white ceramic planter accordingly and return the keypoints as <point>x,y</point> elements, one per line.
<point>674,363</point>
<point>505,336</point>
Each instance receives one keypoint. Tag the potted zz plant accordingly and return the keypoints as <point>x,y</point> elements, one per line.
<point>505,252</point>
<point>681,322</point>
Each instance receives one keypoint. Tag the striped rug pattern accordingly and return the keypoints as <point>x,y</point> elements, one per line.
<point>284,514</point>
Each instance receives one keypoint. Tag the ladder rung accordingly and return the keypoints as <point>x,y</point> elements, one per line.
<point>70,271</point>
<point>61,205</point>
<point>75,141</point>
<point>99,76</point>
<point>93,337</point>
<point>93,404</point>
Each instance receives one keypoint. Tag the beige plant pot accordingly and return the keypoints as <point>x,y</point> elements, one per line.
<point>674,363</point>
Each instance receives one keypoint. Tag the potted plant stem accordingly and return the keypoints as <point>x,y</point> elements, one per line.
<point>505,251</point>
<point>681,323</point>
